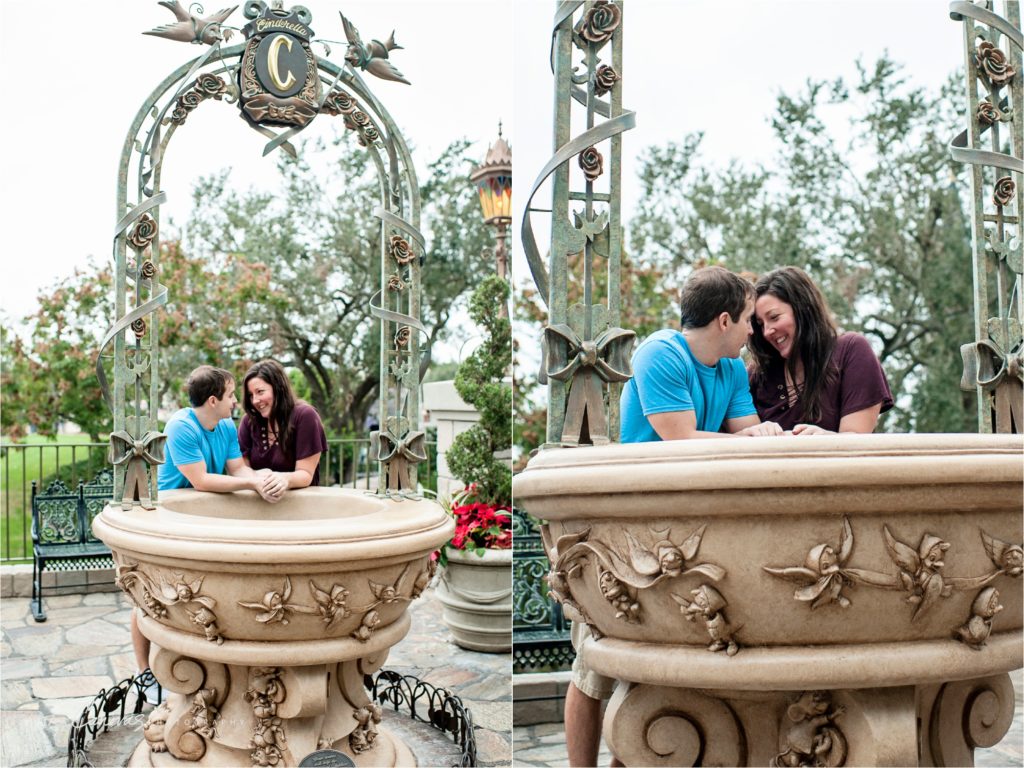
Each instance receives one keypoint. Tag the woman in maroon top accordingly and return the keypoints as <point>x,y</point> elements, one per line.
<point>803,375</point>
<point>277,432</point>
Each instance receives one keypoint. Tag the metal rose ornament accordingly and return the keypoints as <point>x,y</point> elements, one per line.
<point>605,79</point>
<point>143,232</point>
<point>592,163</point>
<point>1004,191</point>
<point>600,22</point>
<point>992,62</point>
<point>400,250</point>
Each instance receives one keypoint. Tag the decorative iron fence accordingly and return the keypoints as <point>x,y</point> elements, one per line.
<point>540,633</point>
<point>347,463</point>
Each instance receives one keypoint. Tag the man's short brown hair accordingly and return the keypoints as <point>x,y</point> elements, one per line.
<point>710,291</point>
<point>206,382</point>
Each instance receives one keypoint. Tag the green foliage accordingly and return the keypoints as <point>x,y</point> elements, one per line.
<point>479,383</point>
<point>877,221</point>
<point>288,275</point>
<point>319,245</point>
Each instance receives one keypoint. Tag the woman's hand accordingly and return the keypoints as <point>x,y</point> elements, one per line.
<point>810,429</point>
<point>274,486</point>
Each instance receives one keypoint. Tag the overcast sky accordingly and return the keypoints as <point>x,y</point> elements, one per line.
<point>85,69</point>
<point>718,67</point>
<point>689,65</point>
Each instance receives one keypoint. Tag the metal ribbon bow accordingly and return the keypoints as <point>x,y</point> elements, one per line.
<point>589,364</point>
<point>398,455</point>
<point>138,453</point>
<point>989,366</point>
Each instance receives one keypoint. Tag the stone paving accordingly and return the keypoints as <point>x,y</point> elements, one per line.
<point>544,744</point>
<point>50,672</point>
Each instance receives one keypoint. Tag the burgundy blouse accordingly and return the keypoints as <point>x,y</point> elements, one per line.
<point>860,384</point>
<point>307,438</point>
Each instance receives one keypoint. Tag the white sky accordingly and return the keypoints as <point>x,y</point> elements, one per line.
<point>86,69</point>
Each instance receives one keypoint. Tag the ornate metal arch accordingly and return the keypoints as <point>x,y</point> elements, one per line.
<point>136,443</point>
<point>993,362</point>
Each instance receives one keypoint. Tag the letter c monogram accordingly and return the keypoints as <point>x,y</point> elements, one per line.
<point>273,55</point>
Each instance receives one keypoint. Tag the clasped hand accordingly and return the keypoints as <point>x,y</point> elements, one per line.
<point>271,485</point>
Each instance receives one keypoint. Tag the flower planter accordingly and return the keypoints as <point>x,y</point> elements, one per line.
<point>477,596</point>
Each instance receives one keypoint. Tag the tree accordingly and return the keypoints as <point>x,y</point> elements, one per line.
<point>319,245</point>
<point>479,382</point>
<point>257,274</point>
<point>877,220</point>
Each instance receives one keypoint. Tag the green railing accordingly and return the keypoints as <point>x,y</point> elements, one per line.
<point>346,463</point>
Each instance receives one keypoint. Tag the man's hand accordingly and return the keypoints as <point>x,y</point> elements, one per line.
<point>810,429</point>
<point>764,429</point>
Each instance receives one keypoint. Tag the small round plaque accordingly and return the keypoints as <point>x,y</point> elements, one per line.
<point>326,758</point>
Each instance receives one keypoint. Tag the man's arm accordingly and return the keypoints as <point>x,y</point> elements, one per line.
<point>682,425</point>
<point>752,426</point>
<point>241,477</point>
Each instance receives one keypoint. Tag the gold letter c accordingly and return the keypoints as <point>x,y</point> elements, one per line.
<point>272,61</point>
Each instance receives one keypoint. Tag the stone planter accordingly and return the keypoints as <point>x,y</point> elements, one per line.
<point>477,597</point>
<point>793,601</point>
<point>264,618</point>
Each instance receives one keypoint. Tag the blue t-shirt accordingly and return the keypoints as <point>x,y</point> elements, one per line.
<point>667,377</point>
<point>188,442</point>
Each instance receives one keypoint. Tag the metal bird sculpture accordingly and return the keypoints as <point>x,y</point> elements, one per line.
<point>372,57</point>
<point>192,29</point>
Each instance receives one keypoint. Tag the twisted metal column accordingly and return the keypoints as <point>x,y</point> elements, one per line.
<point>993,361</point>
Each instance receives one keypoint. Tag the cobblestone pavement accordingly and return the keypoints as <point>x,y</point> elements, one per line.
<point>544,745</point>
<point>51,671</point>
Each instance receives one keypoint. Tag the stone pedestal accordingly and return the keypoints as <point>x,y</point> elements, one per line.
<point>820,600</point>
<point>264,618</point>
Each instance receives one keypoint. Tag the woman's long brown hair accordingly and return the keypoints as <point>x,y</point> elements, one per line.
<point>284,401</point>
<point>815,335</point>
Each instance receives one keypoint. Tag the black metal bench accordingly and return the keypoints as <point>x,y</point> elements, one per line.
<point>540,633</point>
<point>62,537</point>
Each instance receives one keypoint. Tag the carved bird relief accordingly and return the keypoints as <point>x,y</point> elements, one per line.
<point>822,574</point>
<point>648,565</point>
<point>391,593</point>
<point>372,58</point>
<point>183,592</point>
<point>920,571</point>
<point>191,29</point>
<point>1008,558</point>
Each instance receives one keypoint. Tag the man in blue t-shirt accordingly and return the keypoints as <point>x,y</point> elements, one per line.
<point>686,384</point>
<point>203,453</point>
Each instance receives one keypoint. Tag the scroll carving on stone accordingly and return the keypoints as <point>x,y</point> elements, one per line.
<point>813,739</point>
<point>709,604</point>
<point>157,598</point>
<point>920,571</point>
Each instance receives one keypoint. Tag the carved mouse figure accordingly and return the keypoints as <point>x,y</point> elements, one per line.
<point>812,740</point>
<point>616,593</point>
<point>709,603</point>
<point>977,629</point>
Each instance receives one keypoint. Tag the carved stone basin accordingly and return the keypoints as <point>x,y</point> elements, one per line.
<point>792,601</point>
<point>264,618</point>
